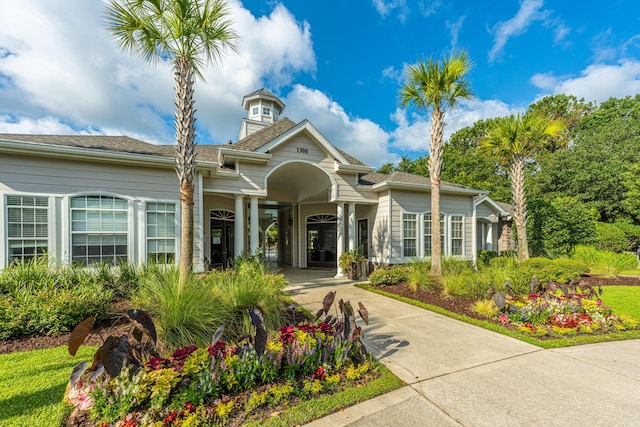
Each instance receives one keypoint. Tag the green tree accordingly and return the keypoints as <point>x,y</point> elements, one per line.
<point>555,228</point>
<point>513,140</point>
<point>188,34</point>
<point>465,164</point>
<point>598,167</point>
<point>437,85</point>
<point>567,108</point>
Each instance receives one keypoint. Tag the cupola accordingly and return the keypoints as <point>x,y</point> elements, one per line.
<point>263,108</point>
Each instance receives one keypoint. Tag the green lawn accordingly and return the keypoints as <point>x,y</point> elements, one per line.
<point>623,300</point>
<point>32,385</point>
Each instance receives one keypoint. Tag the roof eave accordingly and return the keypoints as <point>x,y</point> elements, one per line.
<point>384,185</point>
<point>341,167</point>
<point>86,153</point>
<point>246,156</point>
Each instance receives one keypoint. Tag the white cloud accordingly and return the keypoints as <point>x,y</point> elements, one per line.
<point>413,132</point>
<point>454,28</point>
<point>63,68</point>
<point>597,82</point>
<point>429,8</point>
<point>385,7</point>
<point>362,138</point>
<point>529,11</point>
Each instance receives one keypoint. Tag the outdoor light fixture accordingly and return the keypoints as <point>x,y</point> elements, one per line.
<point>290,221</point>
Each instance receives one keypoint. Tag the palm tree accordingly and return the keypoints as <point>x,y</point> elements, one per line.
<point>437,86</point>
<point>512,141</point>
<point>188,34</point>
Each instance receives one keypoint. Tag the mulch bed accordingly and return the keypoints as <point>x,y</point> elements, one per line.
<point>453,304</point>
<point>463,305</point>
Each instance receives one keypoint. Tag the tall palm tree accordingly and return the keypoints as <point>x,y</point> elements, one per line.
<point>512,141</point>
<point>188,34</point>
<point>437,85</point>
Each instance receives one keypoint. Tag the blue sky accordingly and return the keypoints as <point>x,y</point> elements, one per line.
<point>338,63</point>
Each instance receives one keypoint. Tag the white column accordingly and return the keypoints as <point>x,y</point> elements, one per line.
<point>239,227</point>
<point>339,236</point>
<point>254,225</point>
<point>352,226</point>
<point>474,232</point>
<point>489,236</point>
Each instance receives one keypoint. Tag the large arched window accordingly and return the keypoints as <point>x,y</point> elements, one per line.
<point>99,226</point>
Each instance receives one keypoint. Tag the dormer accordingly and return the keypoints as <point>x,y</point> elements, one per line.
<point>263,108</point>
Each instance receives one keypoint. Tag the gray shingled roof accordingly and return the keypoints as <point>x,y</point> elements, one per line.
<point>122,144</point>
<point>404,177</point>
<point>269,133</point>
<point>263,136</point>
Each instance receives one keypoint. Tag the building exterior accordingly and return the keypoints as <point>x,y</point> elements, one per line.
<point>85,199</point>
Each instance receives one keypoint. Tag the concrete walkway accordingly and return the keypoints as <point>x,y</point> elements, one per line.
<point>459,374</point>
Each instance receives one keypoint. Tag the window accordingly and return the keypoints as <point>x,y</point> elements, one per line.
<point>99,226</point>
<point>457,226</point>
<point>427,233</point>
<point>27,224</point>
<point>266,111</point>
<point>363,237</point>
<point>410,234</point>
<point>255,111</point>
<point>161,233</point>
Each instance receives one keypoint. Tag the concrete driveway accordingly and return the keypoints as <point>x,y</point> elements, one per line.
<point>459,374</point>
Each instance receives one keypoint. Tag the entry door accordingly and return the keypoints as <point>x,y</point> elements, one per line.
<point>321,245</point>
<point>221,242</point>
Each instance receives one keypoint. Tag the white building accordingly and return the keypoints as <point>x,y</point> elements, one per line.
<point>89,199</point>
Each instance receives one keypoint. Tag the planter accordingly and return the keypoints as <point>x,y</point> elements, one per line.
<point>352,271</point>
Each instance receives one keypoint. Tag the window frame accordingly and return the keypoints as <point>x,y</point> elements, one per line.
<point>128,233</point>
<point>462,235</point>
<point>443,234</point>
<point>145,244</point>
<point>5,207</point>
<point>404,234</point>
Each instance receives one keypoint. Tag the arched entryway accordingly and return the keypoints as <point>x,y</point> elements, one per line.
<point>322,245</point>
<point>222,225</point>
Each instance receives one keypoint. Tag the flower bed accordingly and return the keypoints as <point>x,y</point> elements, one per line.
<point>222,384</point>
<point>551,315</point>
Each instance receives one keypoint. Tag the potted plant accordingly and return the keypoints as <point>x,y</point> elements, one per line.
<point>350,261</point>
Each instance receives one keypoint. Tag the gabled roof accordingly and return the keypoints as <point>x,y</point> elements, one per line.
<point>260,138</point>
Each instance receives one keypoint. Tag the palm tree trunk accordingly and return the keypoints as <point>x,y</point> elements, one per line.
<point>435,167</point>
<point>519,206</point>
<point>185,159</point>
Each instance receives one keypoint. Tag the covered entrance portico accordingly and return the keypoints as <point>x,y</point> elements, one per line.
<point>313,228</point>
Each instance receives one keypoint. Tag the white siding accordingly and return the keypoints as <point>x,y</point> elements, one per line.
<point>420,202</point>
<point>381,229</point>
<point>61,179</point>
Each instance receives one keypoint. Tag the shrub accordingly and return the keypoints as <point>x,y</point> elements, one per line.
<point>485,308</point>
<point>452,265</point>
<point>605,263</point>
<point>185,314</point>
<point>388,276</point>
<point>463,284</point>
<point>40,299</point>
<point>610,238</point>
<point>485,256</point>
<point>632,231</point>
<point>248,284</point>
<point>419,276</point>
<point>555,227</point>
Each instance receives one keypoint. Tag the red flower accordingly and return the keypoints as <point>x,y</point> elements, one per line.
<point>156,363</point>
<point>182,354</point>
<point>319,374</point>
<point>218,349</point>
<point>286,334</point>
